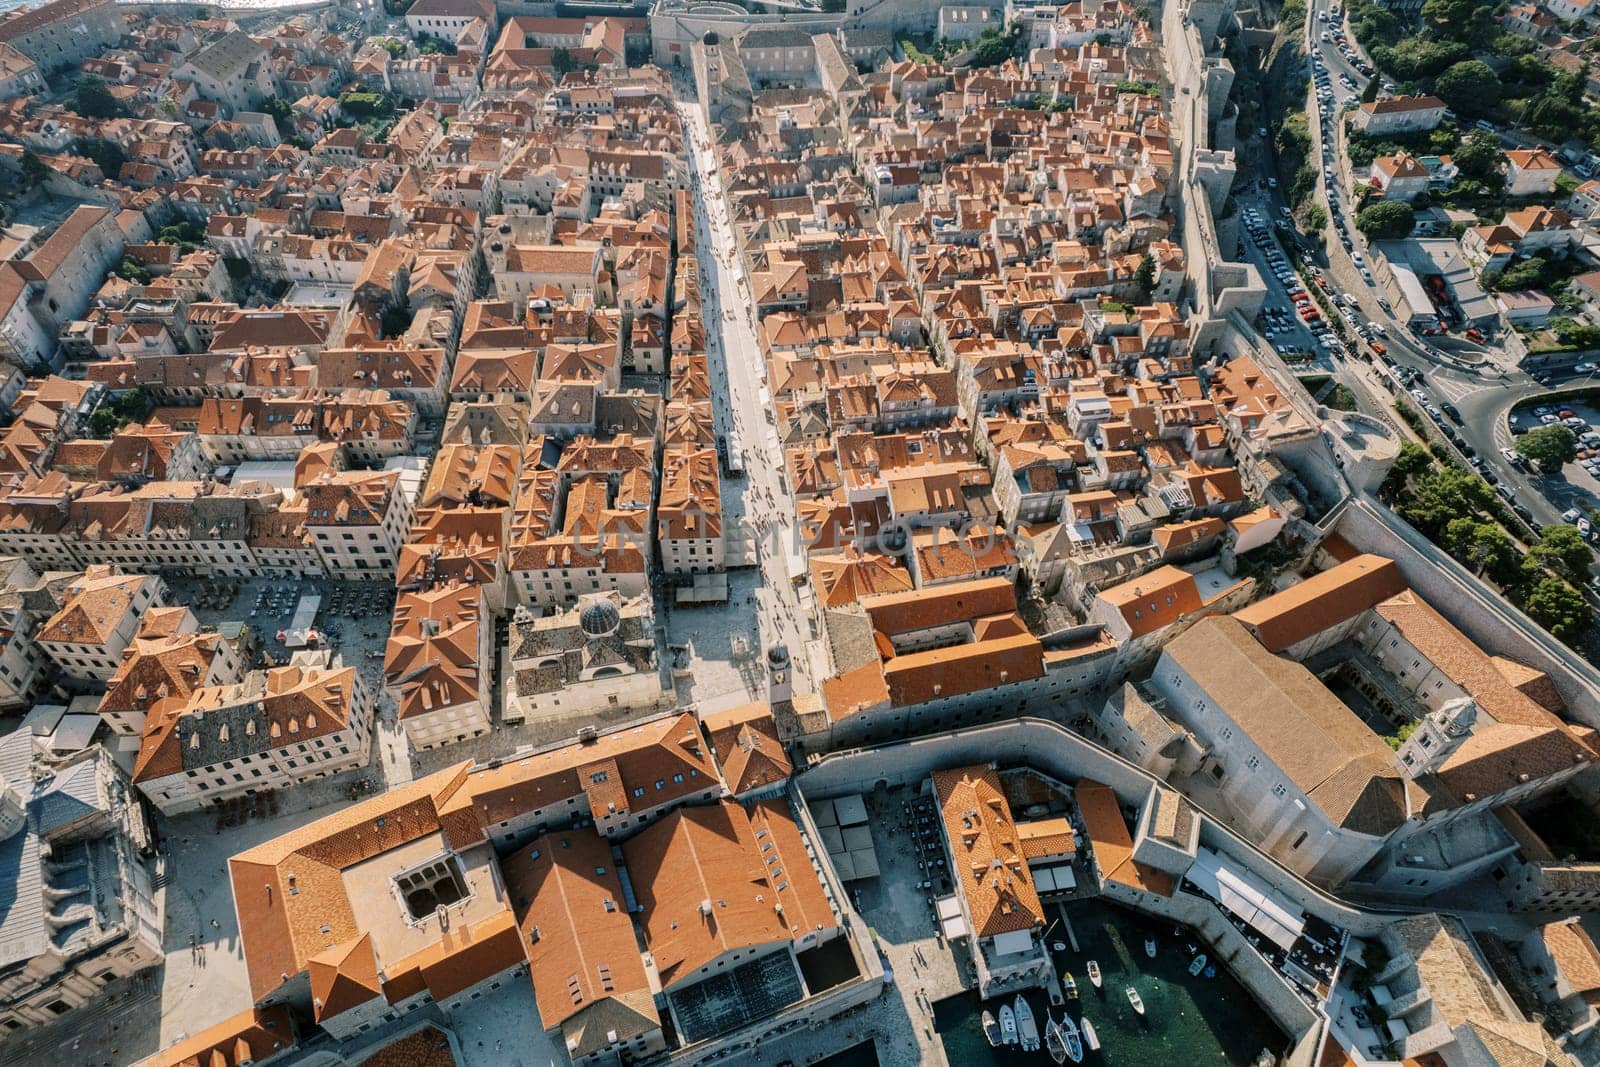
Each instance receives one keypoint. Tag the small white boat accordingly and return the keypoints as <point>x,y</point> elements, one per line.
<point>1027,1029</point>
<point>1091,1039</point>
<point>1094,973</point>
<point>1008,1025</point>
<point>1070,985</point>
<point>991,1029</point>
<point>1150,947</point>
<point>1198,965</point>
<point>1135,999</point>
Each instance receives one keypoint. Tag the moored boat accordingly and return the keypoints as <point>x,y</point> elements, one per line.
<point>1135,999</point>
<point>1090,1039</point>
<point>1198,965</point>
<point>1070,985</point>
<point>1094,973</point>
<point>1069,1032</point>
<point>1055,1041</point>
<point>991,1029</point>
<point>1008,1025</point>
<point>1150,947</point>
<point>1027,1029</point>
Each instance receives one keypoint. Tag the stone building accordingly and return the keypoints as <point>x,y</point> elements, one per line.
<point>81,906</point>
<point>63,33</point>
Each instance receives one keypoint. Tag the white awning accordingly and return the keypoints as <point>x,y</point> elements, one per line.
<point>1259,907</point>
<point>300,631</point>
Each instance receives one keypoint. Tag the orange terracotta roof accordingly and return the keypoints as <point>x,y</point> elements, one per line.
<point>250,1036</point>
<point>1113,846</point>
<point>746,743</point>
<point>986,852</point>
<point>709,884</point>
<point>583,954</point>
<point>1326,599</point>
<point>1155,600</point>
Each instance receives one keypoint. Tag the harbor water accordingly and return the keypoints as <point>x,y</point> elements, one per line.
<point>1194,1021</point>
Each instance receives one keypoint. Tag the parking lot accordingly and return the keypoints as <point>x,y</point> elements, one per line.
<point>1291,320</point>
<point>1576,488</point>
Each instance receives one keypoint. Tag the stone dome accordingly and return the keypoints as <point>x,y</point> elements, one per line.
<point>599,618</point>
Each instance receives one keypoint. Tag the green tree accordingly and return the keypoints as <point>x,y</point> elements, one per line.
<point>1316,219</point>
<point>1480,158</point>
<point>1470,87</point>
<point>1562,550</point>
<point>132,270</point>
<point>1401,736</point>
<point>1374,25</point>
<point>994,46</point>
<point>1145,276</point>
<point>1370,93</point>
<point>117,412</point>
<point>1414,58</point>
<point>34,171</point>
<point>106,155</point>
<point>1482,546</point>
<point>1430,500</point>
<point>1569,84</point>
<point>395,321</point>
<point>1294,137</point>
<point>367,105</point>
<point>278,108</point>
<point>1469,21</point>
<point>1412,460</point>
<point>1535,272</point>
<point>93,99</point>
<point>1576,334</point>
<point>1548,446</point>
<point>562,61</point>
<point>1386,220</point>
<point>1559,608</point>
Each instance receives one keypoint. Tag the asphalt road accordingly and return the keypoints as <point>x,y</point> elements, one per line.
<point>1483,396</point>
